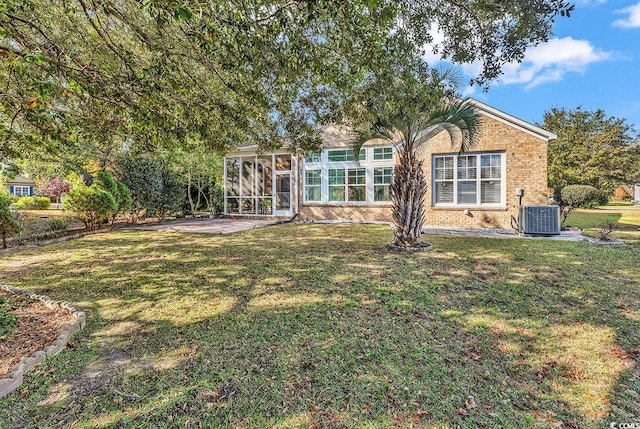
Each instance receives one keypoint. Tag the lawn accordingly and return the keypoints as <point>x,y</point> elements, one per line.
<point>319,326</point>
<point>626,218</point>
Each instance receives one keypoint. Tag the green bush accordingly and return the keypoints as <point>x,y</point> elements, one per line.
<point>57,224</point>
<point>91,204</point>
<point>33,203</point>
<point>578,196</point>
<point>8,224</point>
<point>155,189</point>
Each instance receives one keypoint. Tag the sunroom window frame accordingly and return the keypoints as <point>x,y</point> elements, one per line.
<point>368,164</point>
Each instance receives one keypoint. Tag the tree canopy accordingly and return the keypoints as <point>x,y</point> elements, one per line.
<point>94,76</point>
<point>592,149</point>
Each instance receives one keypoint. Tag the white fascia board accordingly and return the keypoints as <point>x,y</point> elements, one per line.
<point>512,121</point>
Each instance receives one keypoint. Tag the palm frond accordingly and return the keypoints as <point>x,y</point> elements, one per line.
<point>459,120</point>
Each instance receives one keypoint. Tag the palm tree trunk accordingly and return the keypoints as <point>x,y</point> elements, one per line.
<point>408,191</point>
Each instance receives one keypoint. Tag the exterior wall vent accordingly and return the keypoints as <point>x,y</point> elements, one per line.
<point>540,220</point>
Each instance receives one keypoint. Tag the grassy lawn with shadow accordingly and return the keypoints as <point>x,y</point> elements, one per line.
<point>319,326</point>
<point>626,217</point>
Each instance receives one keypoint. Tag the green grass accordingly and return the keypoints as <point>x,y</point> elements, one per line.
<point>627,219</point>
<point>7,320</point>
<point>319,326</point>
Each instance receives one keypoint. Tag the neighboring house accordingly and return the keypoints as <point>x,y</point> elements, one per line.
<point>21,186</point>
<point>474,189</point>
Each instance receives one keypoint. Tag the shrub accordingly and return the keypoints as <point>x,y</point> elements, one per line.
<point>57,224</point>
<point>33,203</point>
<point>91,204</point>
<point>605,229</point>
<point>155,188</point>
<point>577,196</point>
<point>8,224</point>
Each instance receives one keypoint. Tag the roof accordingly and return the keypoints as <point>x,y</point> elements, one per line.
<point>511,120</point>
<point>334,135</point>
<point>19,180</point>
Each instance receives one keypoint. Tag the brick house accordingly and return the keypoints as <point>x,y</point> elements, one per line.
<point>479,188</point>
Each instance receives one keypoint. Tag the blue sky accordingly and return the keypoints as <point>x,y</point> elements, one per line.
<point>592,60</point>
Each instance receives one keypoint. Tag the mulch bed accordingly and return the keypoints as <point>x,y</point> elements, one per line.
<point>38,326</point>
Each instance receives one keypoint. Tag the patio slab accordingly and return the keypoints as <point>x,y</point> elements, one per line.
<point>502,233</point>
<point>206,225</point>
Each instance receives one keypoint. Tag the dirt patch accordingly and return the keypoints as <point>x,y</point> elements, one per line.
<point>38,326</point>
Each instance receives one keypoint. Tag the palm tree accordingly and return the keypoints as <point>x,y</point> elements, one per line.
<point>410,128</point>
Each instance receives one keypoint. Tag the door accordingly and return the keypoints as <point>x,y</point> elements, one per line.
<point>283,194</point>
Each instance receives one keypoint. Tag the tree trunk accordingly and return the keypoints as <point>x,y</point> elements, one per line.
<point>408,191</point>
<point>193,209</point>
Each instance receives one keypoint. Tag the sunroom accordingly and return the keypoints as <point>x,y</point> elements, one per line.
<point>259,184</point>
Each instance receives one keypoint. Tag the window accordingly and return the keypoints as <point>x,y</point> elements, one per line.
<point>457,182</point>
<point>466,174</point>
<point>312,157</point>
<point>21,191</point>
<point>353,189</point>
<point>357,184</point>
<point>491,179</point>
<point>382,184</point>
<point>345,155</point>
<point>444,180</point>
<point>313,185</point>
<point>334,177</point>
<point>382,153</point>
<point>336,185</point>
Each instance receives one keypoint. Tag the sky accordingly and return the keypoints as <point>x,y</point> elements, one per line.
<point>592,60</point>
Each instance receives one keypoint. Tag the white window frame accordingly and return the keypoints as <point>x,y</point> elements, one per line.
<point>478,180</point>
<point>21,191</point>
<point>382,184</point>
<point>307,186</point>
<point>253,157</point>
<point>368,164</point>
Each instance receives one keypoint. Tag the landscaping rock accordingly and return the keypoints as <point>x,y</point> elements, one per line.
<point>15,377</point>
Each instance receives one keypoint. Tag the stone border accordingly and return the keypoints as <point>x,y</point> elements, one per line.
<point>15,377</point>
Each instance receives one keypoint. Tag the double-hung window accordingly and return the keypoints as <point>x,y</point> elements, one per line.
<point>21,191</point>
<point>357,184</point>
<point>336,185</point>
<point>313,185</point>
<point>382,184</point>
<point>469,180</point>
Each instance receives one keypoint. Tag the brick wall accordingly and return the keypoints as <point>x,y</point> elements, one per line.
<point>526,168</point>
<point>322,212</point>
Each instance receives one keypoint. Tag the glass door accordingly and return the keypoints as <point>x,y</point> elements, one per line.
<point>283,194</point>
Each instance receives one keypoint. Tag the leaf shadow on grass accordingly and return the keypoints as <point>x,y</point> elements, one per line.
<point>312,325</point>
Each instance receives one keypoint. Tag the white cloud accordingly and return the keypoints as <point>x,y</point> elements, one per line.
<point>632,20</point>
<point>549,62</point>
<point>431,56</point>
<point>589,2</point>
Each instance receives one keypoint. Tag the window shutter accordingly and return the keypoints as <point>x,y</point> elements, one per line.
<point>30,191</point>
<point>11,190</point>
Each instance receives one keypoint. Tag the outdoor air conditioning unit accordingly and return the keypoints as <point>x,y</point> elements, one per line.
<point>540,220</point>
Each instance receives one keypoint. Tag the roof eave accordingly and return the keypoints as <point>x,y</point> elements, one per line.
<point>523,125</point>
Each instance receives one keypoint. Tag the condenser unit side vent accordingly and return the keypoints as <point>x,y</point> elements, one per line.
<point>540,220</point>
